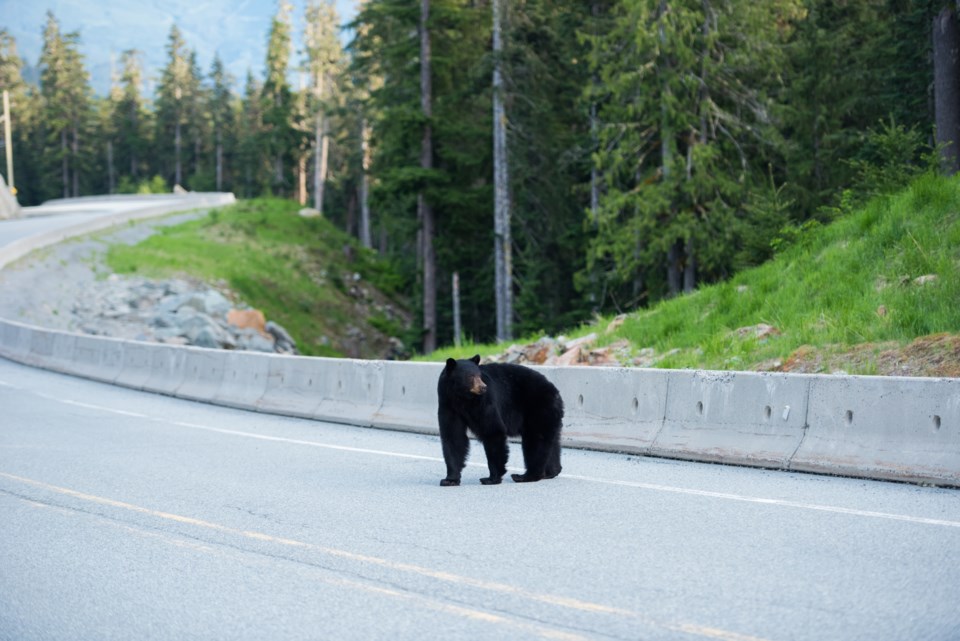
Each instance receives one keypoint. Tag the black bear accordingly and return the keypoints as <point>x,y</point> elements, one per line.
<point>495,401</point>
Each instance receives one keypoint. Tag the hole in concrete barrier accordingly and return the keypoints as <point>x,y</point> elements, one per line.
<point>339,384</point>
<point>849,417</point>
<point>936,422</point>
<point>636,404</point>
<point>403,390</point>
<point>309,382</point>
<point>767,412</point>
<point>580,400</point>
<point>700,408</point>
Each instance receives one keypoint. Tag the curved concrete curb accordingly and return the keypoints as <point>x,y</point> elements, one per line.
<point>873,427</point>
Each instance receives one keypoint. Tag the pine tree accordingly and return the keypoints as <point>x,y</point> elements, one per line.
<point>173,108</point>
<point>130,119</point>
<point>278,104</point>
<point>222,120</point>
<point>67,107</point>
<point>324,55</point>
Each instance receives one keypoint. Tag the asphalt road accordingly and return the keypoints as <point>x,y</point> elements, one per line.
<point>126,515</point>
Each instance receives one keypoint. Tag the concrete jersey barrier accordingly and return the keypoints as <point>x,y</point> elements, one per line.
<point>905,429</point>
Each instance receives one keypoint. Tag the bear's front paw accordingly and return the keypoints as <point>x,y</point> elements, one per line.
<point>524,478</point>
<point>491,480</point>
<point>449,482</point>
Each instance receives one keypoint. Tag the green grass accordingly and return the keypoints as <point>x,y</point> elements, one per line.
<point>292,268</point>
<point>825,290</point>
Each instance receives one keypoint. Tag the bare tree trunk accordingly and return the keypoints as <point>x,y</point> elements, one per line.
<point>111,172</point>
<point>64,164</point>
<point>946,83</point>
<point>219,161</point>
<point>178,173</point>
<point>503,271</point>
<point>76,165</point>
<point>689,267</point>
<point>365,239</point>
<point>302,180</point>
<point>319,144</point>
<point>324,159</point>
<point>424,209</point>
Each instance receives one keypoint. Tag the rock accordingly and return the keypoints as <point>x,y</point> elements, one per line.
<point>616,322</point>
<point>882,311</point>
<point>569,357</point>
<point>248,319</point>
<point>177,189</point>
<point>760,331</point>
<point>583,341</point>
<point>539,352</point>
<point>925,279</point>
<point>309,212</point>
<point>283,342</point>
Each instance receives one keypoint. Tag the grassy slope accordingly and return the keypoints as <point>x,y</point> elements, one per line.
<point>825,290</point>
<point>294,269</point>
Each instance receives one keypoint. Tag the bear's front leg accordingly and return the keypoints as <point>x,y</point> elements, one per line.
<point>456,446</point>
<point>495,446</point>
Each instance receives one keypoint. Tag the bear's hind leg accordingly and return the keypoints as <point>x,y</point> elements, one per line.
<point>497,452</point>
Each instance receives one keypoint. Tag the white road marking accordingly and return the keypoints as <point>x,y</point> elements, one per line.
<point>590,479</point>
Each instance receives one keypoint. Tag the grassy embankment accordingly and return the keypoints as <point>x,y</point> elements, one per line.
<point>301,272</point>
<point>848,284</point>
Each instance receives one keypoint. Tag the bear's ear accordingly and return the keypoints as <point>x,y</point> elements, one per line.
<point>476,359</point>
<point>451,363</point>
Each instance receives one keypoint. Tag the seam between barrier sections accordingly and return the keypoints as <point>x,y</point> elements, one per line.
<point>663,419</point>
<point>806,425</point>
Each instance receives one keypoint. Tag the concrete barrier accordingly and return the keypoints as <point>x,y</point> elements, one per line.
<point>883,427</point>
<point>15,340</point>
<point>353,392</point>
<point>294,385</point>
<point>409,397</point>
<point>244,380</point>
<point>202,373</point>
<point>874,427</point>
<point>136,364</point>
<point>733,417</point>
<point>167,368</point>
<point>611,408</point>
<point>97,358</point>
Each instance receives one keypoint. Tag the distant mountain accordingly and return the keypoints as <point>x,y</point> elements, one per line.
<point>237,29</point>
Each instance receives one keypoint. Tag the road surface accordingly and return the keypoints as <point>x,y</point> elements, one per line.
<point>126,515</point>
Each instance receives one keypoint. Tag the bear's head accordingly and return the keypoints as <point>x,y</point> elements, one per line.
<point>464,375</point>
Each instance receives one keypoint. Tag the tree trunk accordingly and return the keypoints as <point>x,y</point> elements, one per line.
<point>946,42</point>
<point>178,173</point>
<point>503,276</point>
<point>76,164</point>
<point>111,173</point>
<point>365,239</point>
<point>219,161</point>
<point>674,268</point>
<point>302,180</point>
<point>424,209</point>
<point>64,164</point>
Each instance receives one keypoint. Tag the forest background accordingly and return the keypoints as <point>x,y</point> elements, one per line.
<point>645,146</point>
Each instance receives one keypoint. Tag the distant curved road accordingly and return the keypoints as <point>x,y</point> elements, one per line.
<point>126,515</point>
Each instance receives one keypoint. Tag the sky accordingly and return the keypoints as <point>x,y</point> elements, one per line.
<point>237,29</point>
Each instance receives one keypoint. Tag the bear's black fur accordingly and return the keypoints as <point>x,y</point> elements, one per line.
<point>495,401</point>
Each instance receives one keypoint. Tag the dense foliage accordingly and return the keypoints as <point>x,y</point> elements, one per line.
<point>654,145</point>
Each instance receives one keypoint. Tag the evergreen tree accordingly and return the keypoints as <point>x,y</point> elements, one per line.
<point>222,120</point>
<point>279,135</point>
<point>173,108</point>
<point>67,107</point>
<point>130,119</point>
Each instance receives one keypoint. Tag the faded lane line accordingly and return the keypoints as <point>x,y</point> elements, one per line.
<point>420,599</point>
<point>778,502</point>
<point>490,586</point>
<point>635,484</point>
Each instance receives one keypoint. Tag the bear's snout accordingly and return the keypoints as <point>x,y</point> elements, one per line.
<point>477,386</point>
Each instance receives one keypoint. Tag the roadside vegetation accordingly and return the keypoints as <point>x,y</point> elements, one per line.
<point>334,297</point>
<point>877,291</point>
